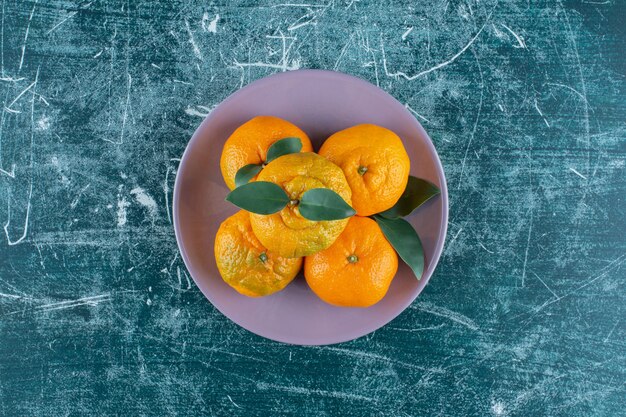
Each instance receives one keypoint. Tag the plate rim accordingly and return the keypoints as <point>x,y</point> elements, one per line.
<point>443,229</point>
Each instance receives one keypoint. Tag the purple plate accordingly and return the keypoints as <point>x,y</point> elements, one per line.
<point>320,103</point>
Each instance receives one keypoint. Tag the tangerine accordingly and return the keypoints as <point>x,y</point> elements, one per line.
<point>374,162</point>
<point>356,270</point>
<point>249,143</point>
<point>245,264</point>
<point>287,232</point>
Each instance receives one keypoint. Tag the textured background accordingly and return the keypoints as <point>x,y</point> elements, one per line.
<point>525,103</point>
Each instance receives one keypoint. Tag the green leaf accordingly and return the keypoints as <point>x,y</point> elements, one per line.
<point>259,197</point>
<point>324,204</point>
<point>283,147</point>
<point>405,241</point>
<point>246,173</point>
<point>416,193</point>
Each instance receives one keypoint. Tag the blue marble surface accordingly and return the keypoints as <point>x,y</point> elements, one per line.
<point>525,102</point>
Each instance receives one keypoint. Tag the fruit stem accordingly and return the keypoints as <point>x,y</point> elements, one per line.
<point>263,257</point>
<point>353,259</point>
<point>293,203</point>
<point>362,170</point>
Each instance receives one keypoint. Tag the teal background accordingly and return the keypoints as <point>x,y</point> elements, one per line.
<point>525,102</point>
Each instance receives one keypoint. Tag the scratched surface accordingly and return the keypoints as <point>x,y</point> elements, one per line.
<point>524,102</point>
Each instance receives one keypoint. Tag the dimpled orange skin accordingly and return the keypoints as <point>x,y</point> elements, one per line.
<point>249,144</point>
<point>287,233</point>
<point>382,154</point>
<point>361,283</point>
<point>238,254</point>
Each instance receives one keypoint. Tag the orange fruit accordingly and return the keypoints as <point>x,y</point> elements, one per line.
<point>249,144</point>
<point>375,164</point>
<point>287,233</point>
<point>245,264</point>
<point>356,270</point>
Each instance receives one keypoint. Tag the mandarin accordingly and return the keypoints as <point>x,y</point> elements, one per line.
<point>249,144</point>
<point>356,270</point>
<point>245,264</point>
<point>286,232</point>
<point>374,162</point>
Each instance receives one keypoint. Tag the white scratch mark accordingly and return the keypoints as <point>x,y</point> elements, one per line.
<point>480,108</point>
<point>188,280</point>
<point>211,26</point>
<point>282,65</point>
<point>30,18</point>
<point>448,314</point>
<point>544,284</point>
<point>438,66</point>
<point>75,202</point>
<point>409,108</point>
<point>577,173</point>
<point>343,51</point>
<point>10,296</point>
<point>301,22</point>
<point>483,246</point>
<point>125,115</point>
<point>8,108</point>
<point>192,41</point>
<point>2,43</point>
<point>611,332</point>
<point>293,67</point>
<point>537,107</point>
<point>182,82</point>
<point>11,79</point>
<point>156,66</point>
<point>578,93</point>
<point>405,34</point>
<point>7,173</point>
<point>455,236</point>
<point>520,40</point>
<point>312,391</point>
<point>195,112</point>
<point>231,400</point>
<point>99,53</point>
<point>30,189</point>
<point>420,329</point>
<point>616,263</point>
<point>69,16</point>
<point>530,229</point>
<point>298,5</point>
<point>145,200</point>
<point>541,114</point>
<point>373,356</point>
<point>91,301</point>
<point>166,192</point>
<point>582,83</point>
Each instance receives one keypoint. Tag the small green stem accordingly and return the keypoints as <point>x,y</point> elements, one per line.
<point>362,170</point>
<point>352,259</point>
<point>263,257</point>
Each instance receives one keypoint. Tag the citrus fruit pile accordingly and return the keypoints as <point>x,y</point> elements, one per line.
<point>339,211</point>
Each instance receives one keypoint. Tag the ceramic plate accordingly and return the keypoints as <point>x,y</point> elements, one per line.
<point>320,103</point>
